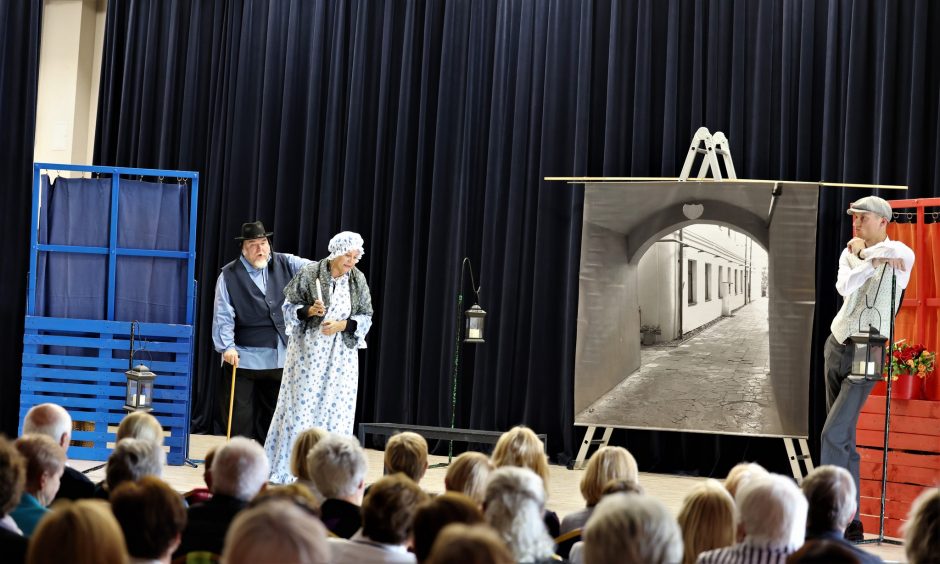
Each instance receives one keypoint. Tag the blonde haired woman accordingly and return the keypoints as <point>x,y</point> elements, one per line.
<point>742,473</point>
<point>607,464</point>
<point>467,474</point>
<point>304,443</point>
<point>521,447</point>
<point>83,532</point>
<point>706,520</point>
<point>140,425</point>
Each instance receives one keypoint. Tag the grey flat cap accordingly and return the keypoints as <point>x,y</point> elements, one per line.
<point>872,204</point>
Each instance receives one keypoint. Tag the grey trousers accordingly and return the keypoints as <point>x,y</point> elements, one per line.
<point>844,401</point>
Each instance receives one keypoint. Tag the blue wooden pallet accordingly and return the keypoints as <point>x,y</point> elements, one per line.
<point>80,363</point>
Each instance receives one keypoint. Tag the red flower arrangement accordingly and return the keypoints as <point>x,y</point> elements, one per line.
<point>915,360</point>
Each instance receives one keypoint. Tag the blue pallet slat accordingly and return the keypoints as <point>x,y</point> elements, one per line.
<point>91,342</point>
<point>77,249</point>
<point>36,373</point>
<point>145,330</point>
<point>109,390</point>
<point>98,362</point>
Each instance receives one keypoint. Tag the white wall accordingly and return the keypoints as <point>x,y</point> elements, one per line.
<point>69,71</point>
<point>656,279</point>
<point>659,272</point>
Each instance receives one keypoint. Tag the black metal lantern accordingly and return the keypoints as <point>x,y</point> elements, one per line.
<point>868,354</point>
<point>139,394</point>
<point>475,322</point>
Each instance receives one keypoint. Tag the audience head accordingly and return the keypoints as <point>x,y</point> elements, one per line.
<point>299,494</point>
<point>468,474</point>
<point>140,425</point>
<point>338,467</point>
<point>706,520</point>
<point>51,420</point>
<point>621,486</point>
<point>303,444</point>
<point>81,532</point>
<point>633,529</point>
<point>521,447</point>
<point>276,531</point>
<point>437,513</point>
<point>240,469</point>
<point>388,511</point>
<point>608,463</point>
<point>513,504</point>
<point>830,493</point>
<point>407,453</point>
<point>12,476</point>
<point>132,459</point>
<point>45,463</point>
<point>740,474</point>
<point>772,511</point>
<point>151,515</point>
<point>922,533</point>
<point>469,544</point>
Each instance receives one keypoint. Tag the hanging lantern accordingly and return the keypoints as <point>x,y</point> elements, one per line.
<point>139,396</point>
<point>476,319</point>
<point>868,354</point>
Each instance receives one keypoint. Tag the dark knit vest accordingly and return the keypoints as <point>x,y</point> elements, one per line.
<point>258,317</point>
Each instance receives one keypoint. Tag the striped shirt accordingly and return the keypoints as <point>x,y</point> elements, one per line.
<point>746,553</point>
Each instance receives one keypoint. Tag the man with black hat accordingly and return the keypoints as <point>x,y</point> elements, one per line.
<point>864,282</point>
<point>248,329</point>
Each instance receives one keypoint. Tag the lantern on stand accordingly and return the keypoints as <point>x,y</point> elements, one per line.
<point>475,322</point>
<point>139,394</point>
<point>868,354</point>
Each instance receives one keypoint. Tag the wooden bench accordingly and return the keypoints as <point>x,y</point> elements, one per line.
<point>444,433</point>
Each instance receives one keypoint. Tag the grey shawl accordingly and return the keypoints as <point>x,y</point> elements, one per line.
<point>302,290</point>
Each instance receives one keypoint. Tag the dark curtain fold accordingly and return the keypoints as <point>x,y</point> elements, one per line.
<point>20,22</point>
<point>428,127</point>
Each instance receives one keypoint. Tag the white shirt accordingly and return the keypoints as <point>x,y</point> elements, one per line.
<point>360,550</point>
<point>863,286</point>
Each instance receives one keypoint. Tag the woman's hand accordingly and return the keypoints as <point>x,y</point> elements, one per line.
<point>316,310</point>
<point>331,327</point>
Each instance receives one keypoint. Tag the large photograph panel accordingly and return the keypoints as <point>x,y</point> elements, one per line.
<point>744,372</point>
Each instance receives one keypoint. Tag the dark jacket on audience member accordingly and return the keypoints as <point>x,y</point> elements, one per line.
<point>74,485</point>
<point>838,538</point>
<point>207,524</point>
<point>342,518</point>
<point>12,547</point>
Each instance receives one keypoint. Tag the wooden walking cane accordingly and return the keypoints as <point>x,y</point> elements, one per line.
<point>231,402</point>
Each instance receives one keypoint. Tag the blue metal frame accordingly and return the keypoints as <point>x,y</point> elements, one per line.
<point>102,388</point>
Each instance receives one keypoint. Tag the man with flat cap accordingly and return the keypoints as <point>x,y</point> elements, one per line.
<point>864,282</point>
<point>248,329</point>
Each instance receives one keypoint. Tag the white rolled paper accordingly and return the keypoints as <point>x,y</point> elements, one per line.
<point>319,291</point>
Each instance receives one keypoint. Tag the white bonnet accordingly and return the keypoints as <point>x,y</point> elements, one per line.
<point>346,241</point>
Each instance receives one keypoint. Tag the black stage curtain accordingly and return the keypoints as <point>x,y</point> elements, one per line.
<point>428,126</point>
<point>19,76</point>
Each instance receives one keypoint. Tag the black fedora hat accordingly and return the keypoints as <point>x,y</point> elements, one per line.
<point>253,230</point>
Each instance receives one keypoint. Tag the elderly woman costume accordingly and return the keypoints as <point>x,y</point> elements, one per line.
<point>327,311</point>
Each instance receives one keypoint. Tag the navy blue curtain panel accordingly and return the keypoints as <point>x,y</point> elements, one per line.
<point>20,22</point>
<point>77,212</point>
<point>428,126</point>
